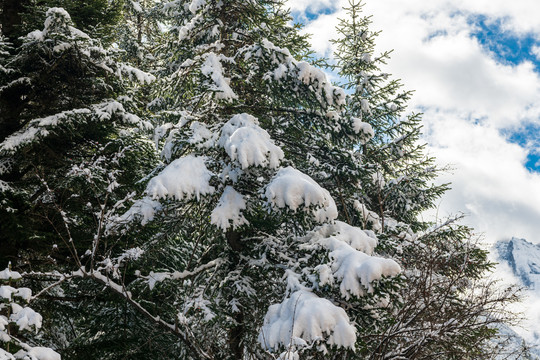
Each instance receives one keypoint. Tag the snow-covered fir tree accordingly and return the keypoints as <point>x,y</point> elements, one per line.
<point>261,133</point>
<point>250,135</point>
<point>446,307</point>
<point>71,150</point>
<point>280,222</point>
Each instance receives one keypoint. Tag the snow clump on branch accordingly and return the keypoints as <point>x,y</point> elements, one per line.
<point>249,144</point>
<point>182,179</point>
<point>292,188</point>
<point>293,322</point>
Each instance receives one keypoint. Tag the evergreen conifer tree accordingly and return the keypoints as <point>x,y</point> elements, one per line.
<point>58,110</point>
<point>283,218</point>
<point>250,134</point>
<point>444,289</point>
<point>71,150</point>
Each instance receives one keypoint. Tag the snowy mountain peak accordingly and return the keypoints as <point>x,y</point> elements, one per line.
<point>524,259</point>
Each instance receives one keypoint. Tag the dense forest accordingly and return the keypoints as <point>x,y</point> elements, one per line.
<point>181,180</point>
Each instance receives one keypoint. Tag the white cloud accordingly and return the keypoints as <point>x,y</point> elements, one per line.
<point>489,181</point>
<point>310,5</point>
<point>535,50</point>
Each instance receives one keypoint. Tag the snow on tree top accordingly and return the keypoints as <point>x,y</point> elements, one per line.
<point>228,212</point>
<point>303,318</point>
<point>292,188</point>
<point>56,17</point>
<point>58,21</point>
<point>183,178</point>
<point>246,142</point>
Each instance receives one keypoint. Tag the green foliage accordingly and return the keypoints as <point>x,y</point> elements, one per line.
<point>264,182</point>
<point>58,113</point>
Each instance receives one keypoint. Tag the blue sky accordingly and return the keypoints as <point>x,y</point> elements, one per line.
<point>505,45</point>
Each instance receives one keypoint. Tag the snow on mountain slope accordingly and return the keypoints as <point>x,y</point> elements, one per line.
<point>524,259</point>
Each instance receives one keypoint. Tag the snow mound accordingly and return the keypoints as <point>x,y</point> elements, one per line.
<point>186,177</point>
<point>356,270</point>
<point>25,317</point>
<point>294,189</point>
<point>42,353</point>
<point>4,355</point>
<point>229,210</point>
<point>7,274</point>
<point>362,240</point>
<point>23,293</point>
<point>249,144</point>
<point>304,318</point>
<point>362,128</point>
<point>6,292</point>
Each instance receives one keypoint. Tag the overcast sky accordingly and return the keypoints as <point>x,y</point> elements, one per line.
<point>474,66</point>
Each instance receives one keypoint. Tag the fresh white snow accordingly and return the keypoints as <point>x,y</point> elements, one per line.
<point>7,274</point>
<point>25,317</point>
<point>304,318</point>
<point>248,144</point>
<point>212,68</point>
<point>43,353</point>
<point>183,178</point>
<point>363,128</point>
<point>293,189</point>
<point>228,212</point>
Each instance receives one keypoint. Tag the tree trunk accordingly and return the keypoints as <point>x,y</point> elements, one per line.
<point>236,333</point>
